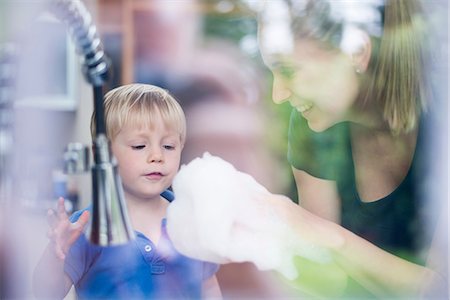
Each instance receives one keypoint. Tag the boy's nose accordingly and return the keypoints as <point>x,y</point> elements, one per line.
<point>280,91</point>
<point>155,156</point>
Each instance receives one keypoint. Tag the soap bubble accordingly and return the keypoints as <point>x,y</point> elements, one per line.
<point>222,215</point>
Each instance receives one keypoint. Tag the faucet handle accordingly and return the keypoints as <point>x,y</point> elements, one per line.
<point>76,158</point>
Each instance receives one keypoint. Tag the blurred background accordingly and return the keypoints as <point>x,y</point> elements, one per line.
<point>203,51</point>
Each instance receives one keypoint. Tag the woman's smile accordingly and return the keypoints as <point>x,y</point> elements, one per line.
<point>304,107</point>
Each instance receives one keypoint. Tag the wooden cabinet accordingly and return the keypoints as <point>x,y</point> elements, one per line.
<point>128,26</point>
<point>112,29</point>
<point>141,34</point>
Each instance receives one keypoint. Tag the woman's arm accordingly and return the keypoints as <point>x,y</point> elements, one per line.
<point>375,269</point>
<point>318,196</point>
<point>380,272</point>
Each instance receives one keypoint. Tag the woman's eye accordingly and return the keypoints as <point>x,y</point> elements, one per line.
<point>286,71</point>
<point>169,147</point>
<point>138,147</point>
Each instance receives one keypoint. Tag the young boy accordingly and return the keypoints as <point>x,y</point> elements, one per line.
<point>147,130</point>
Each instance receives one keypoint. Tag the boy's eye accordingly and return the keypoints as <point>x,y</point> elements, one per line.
<point>169,147</point>
<point>138,147</point>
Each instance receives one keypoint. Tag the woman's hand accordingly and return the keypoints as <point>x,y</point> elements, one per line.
<point>316,230</point>
<point>223,215</point>
<point>62,232</point>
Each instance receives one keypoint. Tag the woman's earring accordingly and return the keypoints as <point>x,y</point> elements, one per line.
<point>358,70</point>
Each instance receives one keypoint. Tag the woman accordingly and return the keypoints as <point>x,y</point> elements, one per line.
<point>356,74</point>
<point>362,130</point>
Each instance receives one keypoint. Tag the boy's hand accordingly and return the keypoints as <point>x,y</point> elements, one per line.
<point>62,232</point>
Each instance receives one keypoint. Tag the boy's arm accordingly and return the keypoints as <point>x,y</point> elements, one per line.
<point>211,288</point>
<point>49,279</point>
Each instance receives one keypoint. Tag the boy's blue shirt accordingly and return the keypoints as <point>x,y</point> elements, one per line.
<point>137,270</point>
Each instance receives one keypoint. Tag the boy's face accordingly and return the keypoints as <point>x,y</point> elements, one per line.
<point>148,159</point>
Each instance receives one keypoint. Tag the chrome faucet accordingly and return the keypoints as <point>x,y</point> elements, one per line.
<point>110,224</point>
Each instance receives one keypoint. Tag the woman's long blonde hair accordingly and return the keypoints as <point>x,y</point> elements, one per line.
<point>395,80</point>
<point>399,69</point>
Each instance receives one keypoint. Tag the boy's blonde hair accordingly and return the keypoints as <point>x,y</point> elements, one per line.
<point>139,104</point>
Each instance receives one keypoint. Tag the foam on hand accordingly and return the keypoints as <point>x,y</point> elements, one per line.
<point>220,215</point>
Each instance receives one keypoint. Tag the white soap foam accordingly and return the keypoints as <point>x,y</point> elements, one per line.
<point>221,215</point>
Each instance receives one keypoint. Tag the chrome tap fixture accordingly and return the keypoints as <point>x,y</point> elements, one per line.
<point>110,224</point>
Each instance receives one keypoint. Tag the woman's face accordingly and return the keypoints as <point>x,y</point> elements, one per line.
<point>320,83</point>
